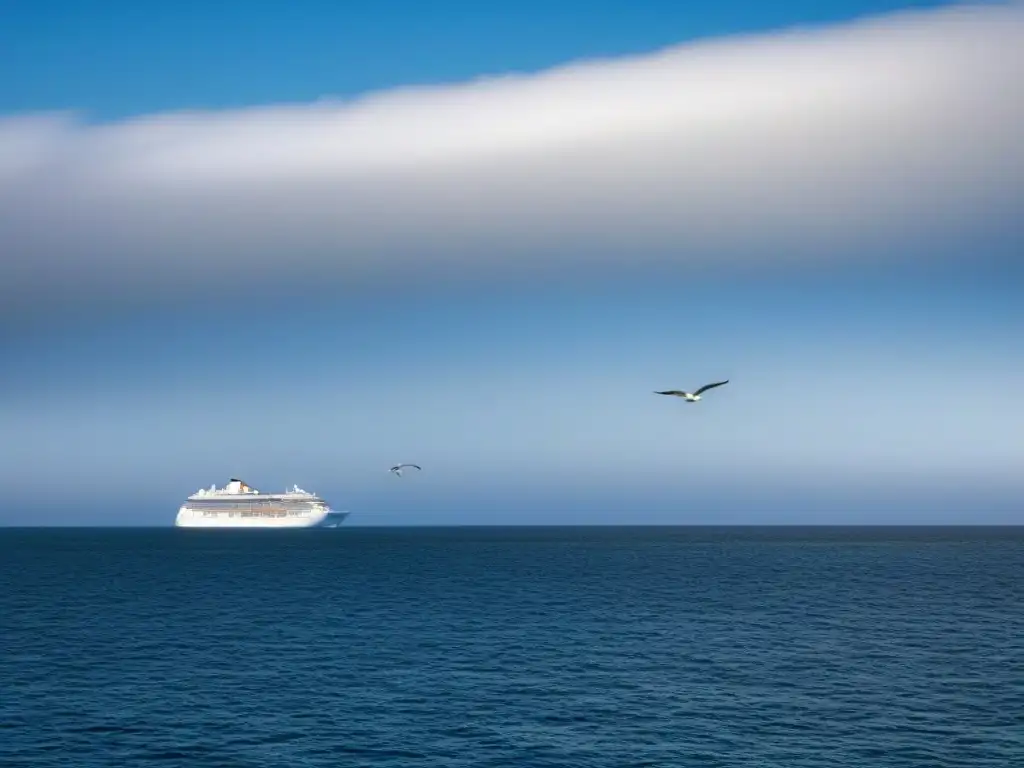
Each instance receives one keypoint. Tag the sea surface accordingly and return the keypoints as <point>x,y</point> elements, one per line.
<point>518,647</point>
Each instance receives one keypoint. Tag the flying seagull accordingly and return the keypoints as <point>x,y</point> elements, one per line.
<point>397,469</point>
<point>692,397</point>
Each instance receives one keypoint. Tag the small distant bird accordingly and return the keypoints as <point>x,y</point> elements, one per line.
<point>397,469</point>
<point>692,397</point>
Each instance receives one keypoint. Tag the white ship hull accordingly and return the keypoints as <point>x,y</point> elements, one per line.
<point>189,518</point>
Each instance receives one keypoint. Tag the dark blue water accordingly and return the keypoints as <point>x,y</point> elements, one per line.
<point>774,648</point>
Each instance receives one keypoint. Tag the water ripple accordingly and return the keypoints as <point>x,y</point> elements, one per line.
<point>585,647</point>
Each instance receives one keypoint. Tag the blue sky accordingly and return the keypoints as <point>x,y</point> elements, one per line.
<point>114,59</point>
<point>236,242</point>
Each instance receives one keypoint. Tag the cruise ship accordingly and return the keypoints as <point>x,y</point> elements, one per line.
<point>238,505</point>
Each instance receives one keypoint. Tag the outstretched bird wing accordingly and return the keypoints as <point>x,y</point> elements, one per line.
<point>711,386</point>
<point>678,392</point>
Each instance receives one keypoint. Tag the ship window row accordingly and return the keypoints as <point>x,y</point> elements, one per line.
<point>242,508</point>
<point>223,513</point>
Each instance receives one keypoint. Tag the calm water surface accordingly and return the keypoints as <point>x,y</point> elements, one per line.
<point>774,648</point>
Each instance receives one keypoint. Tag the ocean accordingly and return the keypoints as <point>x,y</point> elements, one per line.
<point>518,647</point>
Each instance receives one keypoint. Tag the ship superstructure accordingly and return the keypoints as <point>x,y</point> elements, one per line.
<point>239,505</point>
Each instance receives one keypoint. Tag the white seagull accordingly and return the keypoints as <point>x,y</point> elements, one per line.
<point>692,397</point>
<point>397,469</point>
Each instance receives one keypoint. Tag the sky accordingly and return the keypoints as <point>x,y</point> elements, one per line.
<point>301,244</point>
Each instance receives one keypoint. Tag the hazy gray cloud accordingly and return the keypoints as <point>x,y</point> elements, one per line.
<point>794,145</point>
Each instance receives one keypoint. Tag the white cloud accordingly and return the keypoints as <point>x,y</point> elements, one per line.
<point>897,130</point>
